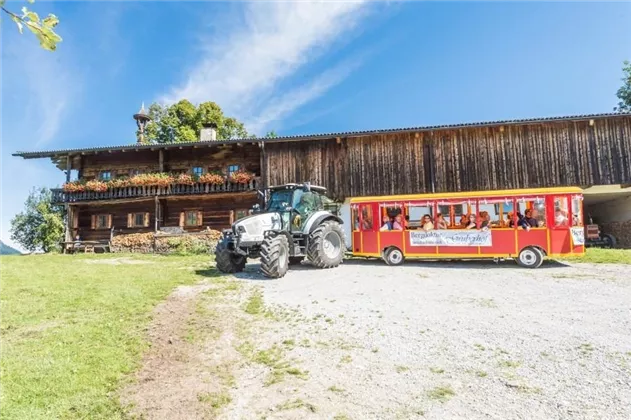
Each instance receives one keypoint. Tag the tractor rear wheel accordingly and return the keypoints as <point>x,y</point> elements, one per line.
<point>326,245</point>
<point>275,256</point>
<point>227,261</point>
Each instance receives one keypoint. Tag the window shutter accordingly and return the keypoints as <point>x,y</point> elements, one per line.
<point>130,220</point>
<point>109,221</point>
<point>146,224</point>
<point>199,218</point>
<point>182,216</point>
<point>93,221</point>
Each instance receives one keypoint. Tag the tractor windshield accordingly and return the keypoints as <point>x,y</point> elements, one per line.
<point>279,199</point>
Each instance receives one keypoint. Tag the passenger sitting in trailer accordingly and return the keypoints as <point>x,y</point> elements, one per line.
<point>529,217</point>
<point>486,220</point>
<point>560,218</point>
<point>398,222</point>
<point>471,222</point>
<point>440,223</point>
<point>427,223</point>
<point>387,224</point>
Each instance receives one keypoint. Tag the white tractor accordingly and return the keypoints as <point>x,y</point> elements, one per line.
<point>296,223</point>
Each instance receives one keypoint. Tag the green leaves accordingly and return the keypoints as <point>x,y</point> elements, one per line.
<point>40,225</point>
<point>624,93</point>
<point>42,29</point>
<point>183,121</point>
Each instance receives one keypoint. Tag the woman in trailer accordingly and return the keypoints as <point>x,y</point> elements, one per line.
<point>427,223</point>
<point>441,223</point>
<point>486,220</point>
<point>560,219</point>
<point>464,221</point>
<point>471,222</point>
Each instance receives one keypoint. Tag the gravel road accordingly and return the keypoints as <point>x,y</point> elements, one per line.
<point>445,340</point>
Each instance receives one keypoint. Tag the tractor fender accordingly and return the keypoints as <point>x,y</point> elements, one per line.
<point>317,218</point>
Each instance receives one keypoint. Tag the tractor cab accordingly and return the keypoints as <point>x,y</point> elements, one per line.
<point>295,203</point>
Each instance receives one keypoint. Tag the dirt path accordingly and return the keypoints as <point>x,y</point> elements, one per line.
<point>367,341</point>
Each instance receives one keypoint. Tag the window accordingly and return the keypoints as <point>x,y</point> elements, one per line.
<point>533,210</point>
<point>198,171</point>
<point>355,217</point>
<point>240,214</point>
<point>451,213</point>
<point>561,213</point>
<point>577,211</point>
<point>138,219</point>
<point>134,172</point>
<point>366,217</point>
<point>191,218</point>
<point>416,213</point>
<point>101,221</point>
<point>232,169</point>
<point>105,175</point>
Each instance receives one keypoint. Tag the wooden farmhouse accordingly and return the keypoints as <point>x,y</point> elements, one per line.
<point>212,182</point>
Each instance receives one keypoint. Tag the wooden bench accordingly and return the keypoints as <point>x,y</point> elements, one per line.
<point>88,247</point>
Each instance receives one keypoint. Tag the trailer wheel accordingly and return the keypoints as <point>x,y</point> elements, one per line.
<point>326,245</point>
<point>530,257</point>
<point>393,256</point>
<point>275,256</point>
<point>609,241</point>
<point>227,261</point>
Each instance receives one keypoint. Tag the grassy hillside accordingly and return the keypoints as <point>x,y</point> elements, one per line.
<point>72,327</point>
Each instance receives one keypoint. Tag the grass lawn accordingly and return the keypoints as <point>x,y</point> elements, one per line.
<point>72,327</point>
<point>603,255</point>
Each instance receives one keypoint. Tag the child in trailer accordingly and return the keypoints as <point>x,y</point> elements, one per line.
<point>387,224</point>
<point>398,222</point>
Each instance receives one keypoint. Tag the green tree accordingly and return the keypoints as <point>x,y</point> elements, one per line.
<point>624,93</point>
<point>183,121</point>
<point>40,226</point>
<point>271,135</point>
<point>43,29</point>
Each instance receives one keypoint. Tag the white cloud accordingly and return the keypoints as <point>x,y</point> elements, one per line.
<point>243,70</point>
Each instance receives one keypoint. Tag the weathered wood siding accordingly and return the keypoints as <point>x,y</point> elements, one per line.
<point>380,164</point>
<point>560,153</point>
<point>569,153</point>
<point>214,158</point>
<point>215,211</point>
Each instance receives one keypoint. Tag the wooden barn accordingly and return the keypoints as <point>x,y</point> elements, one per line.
<point>584,151</point>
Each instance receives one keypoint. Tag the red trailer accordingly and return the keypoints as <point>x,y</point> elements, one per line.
<point>527,225</point>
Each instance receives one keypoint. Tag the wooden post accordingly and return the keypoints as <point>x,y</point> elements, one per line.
<point>157,215</point>
<point>68,167</point>
<point>161,160</point>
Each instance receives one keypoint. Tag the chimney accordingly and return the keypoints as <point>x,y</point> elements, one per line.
<point>208,132</point>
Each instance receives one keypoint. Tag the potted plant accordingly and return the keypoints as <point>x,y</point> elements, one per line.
<point>241,177</point>
<point>96,185</point>
<point>213,178</point>
<point>74,186</point>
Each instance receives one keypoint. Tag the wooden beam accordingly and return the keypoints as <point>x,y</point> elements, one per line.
<point>157,211</point>
<point>161,160</point>
<point>68,167</point>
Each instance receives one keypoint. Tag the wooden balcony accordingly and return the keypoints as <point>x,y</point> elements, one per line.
<point>61,196</point>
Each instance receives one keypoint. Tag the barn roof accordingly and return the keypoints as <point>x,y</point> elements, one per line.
<point>164,146</point>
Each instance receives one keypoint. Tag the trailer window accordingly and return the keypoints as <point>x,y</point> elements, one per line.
<point>577,211</point>
<point>367,217</point>
<point>561,213</point>
<point>534,207</point>
<point>415,214</point>
<point>355,217</point>
<point>451,213</point>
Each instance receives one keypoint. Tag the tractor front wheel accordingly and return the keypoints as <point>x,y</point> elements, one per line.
<point>227,261</point>
<point>275,256</point>
<point>326,245</point>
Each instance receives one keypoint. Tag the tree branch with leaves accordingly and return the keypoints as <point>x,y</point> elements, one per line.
<point>43,29</point>
<point>624,93</point>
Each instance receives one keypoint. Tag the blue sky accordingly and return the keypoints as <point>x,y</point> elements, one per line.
<point>299,68</point>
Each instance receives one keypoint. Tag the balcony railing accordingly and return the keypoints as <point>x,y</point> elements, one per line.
<point>61,196</point>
